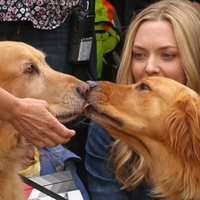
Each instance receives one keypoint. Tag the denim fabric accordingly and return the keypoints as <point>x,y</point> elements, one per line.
<point>101,180</point>
<point>58,159</point>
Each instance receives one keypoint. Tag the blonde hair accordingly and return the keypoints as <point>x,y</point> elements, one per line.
<point>185,21</point>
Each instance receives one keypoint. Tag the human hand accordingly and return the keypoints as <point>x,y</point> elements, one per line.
<point>36,122</point>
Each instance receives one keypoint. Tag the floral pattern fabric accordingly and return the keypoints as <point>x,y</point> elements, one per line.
<point>44,14</point>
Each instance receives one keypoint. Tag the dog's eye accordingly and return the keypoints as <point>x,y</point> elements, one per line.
<point>143,87</point>
<point>30,68</point>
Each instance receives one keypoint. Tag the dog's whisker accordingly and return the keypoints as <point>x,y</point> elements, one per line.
<point>95,102</point>
<point>81,121</point>
<point>111,94</point>
<point>91,126</point>
<point>90,76</point>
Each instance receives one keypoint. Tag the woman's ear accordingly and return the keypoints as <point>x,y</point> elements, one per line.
<point>182,127</point>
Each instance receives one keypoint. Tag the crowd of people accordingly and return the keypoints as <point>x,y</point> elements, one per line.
<point>162,39</point>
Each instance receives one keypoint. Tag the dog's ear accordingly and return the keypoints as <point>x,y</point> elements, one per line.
<point>182,127</point>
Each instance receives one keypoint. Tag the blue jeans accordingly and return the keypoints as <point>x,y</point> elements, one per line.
<point>101,180</point>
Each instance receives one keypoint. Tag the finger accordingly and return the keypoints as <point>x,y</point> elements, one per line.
<point>64,141</point>
<point>54,138</point>
<point>36,143</point>
<point>41,140</point>
<point>49,108</point>
<point>46,105</point>
<point>51,111</point>
<point>49,143</point>
<point>62,131</point>
<point>51,140</point>
<point>40,145</point>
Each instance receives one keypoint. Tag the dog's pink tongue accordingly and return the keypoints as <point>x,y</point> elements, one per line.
<point>84,106</point>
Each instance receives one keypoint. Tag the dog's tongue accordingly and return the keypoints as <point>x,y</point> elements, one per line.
<point>84,106</point>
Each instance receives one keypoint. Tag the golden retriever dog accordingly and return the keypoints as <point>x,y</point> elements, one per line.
<point>160,119</point>
<point>24,73</point>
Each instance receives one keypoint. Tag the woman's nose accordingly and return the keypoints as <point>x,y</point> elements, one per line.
<point>152,67</point>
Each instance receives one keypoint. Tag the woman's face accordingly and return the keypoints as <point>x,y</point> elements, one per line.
<point>155,52</point>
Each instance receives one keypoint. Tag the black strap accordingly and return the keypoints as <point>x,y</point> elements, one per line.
<point>42,189</point>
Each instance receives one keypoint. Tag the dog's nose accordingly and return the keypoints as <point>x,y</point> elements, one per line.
<point>83,88</point>
<point>92,84</point>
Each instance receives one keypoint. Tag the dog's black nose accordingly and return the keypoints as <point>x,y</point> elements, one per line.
<point>83,88</point>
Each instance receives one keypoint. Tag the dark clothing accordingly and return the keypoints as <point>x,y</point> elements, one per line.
<point>127,9</point>
<point>42,15</point>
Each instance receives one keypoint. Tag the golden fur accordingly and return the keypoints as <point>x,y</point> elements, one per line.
<point>24,73</point>
<point>160,119</point>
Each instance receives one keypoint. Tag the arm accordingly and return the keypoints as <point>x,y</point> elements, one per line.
<point>33,119</point>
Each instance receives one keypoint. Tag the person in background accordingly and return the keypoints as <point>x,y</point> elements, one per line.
<point>162,40</point>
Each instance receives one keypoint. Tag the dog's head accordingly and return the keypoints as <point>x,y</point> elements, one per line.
<point>25,73</point>
<point>155,110</point>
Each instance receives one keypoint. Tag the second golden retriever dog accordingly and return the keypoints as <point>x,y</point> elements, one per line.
<point>24,73</point>
<point>160,119</point>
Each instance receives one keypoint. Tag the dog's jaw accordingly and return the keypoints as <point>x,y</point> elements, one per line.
<point>95,113</point>
<point>69,114</point>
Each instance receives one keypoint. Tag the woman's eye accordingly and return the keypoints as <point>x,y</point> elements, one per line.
<point>143,87</point>
<point>168,56</point>
<point>138,55</point>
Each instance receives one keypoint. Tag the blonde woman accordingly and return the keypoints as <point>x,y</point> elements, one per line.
<point>163,40</point>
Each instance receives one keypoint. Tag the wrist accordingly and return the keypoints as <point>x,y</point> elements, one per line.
<point>14,109</point>
<point>9,105</point>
